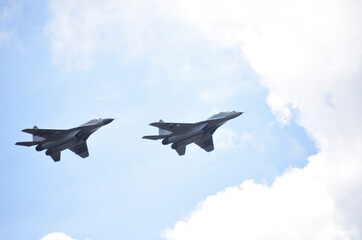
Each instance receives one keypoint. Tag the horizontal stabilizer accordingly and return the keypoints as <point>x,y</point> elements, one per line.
<point>155,137</point>
<point>28,144</point>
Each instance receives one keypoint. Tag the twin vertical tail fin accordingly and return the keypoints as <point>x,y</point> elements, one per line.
<point>163,132</point>
<point>37,138</point>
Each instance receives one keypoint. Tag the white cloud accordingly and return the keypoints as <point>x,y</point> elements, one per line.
<point>126,30</point>
<point>80,29</point>
<point>308,54</point>
<point>57,236</point>
<point>298,205</point>
<point>227,139</point>
<point>72,42</point>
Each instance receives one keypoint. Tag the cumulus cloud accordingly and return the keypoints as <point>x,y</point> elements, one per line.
<point>133,30</point>
<point>227,139</point>
<point>78,30</point>
<point>57,236</point>
<point>267,213</point>
<point>72,42</point>
<point>308,54</point>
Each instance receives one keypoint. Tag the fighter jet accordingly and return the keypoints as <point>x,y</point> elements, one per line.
<point>56,140</point>
<point>200,133</point>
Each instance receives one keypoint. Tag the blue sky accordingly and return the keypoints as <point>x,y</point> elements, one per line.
<point>130,188</point>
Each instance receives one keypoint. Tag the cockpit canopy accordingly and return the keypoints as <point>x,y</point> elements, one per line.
<point>92,122</point>
<point>221,114</point>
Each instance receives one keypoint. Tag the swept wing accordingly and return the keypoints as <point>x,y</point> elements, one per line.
<point>174,127</point>
<point>45,133</point>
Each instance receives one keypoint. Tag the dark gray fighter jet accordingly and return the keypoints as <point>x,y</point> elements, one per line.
<point>200,133</point>
<point>55,140</point>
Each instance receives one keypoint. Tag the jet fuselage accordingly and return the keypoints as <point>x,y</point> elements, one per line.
<point>196,133</point>
<point>61,143</point>
<point>55,141</point>
<point>70,139</point>
<point>188,137</point>
<point>182,134</point>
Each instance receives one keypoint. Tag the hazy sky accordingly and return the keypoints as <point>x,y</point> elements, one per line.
<point>289,168</point>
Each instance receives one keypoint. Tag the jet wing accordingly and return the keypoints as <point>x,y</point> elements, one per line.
<point>45,133</point>
<point>174,127</point>
<point>81,149</point>
<point>206,143</point>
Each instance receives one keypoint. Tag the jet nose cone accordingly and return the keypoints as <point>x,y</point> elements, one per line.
<point>237,114</point>
<point>107,120</point>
